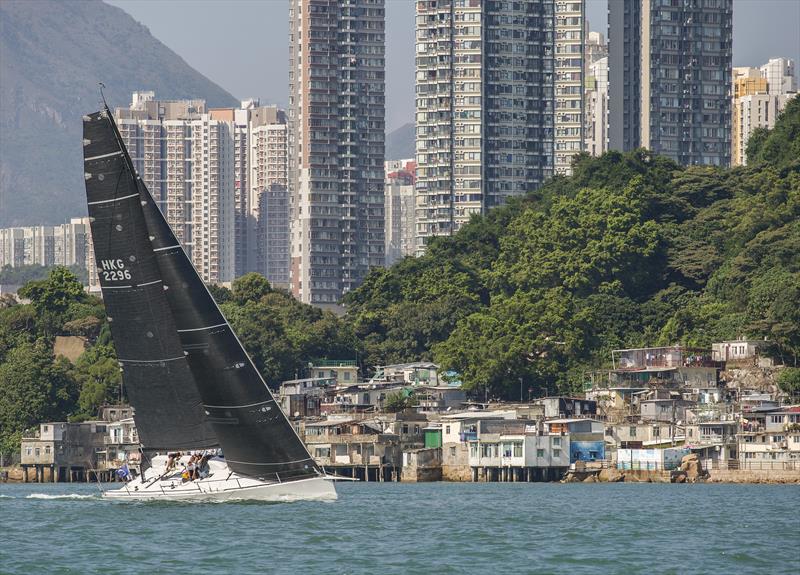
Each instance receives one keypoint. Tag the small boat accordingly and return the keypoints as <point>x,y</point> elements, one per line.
<point>193,386</point>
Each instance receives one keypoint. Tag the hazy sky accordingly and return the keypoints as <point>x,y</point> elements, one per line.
<point>242,45</point>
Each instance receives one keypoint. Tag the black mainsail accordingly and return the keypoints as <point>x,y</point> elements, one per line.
<point>160,386</point>
<point>254,433</point>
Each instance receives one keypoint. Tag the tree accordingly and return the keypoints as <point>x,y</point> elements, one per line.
<point>98,376</point>
<point>88,327</point>
<point>33,388</point>
<point>249,287</point>
<point>399,400</point>
<point>51,298</point>
<point>789,381</point>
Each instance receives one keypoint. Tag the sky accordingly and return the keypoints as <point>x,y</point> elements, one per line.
<point>242,45</point>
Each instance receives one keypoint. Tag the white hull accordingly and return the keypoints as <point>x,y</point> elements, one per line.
<point>221,485</point>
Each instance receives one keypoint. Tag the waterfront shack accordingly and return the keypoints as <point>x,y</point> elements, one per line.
<point>517,450</point>
<point>586,437</point>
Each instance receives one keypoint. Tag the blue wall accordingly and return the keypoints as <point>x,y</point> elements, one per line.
<point>586,451</point>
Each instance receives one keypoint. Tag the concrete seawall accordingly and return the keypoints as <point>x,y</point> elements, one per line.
<point>751,476</point>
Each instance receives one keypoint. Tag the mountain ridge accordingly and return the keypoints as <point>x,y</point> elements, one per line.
<point>400,142</point>
<point>52,56</point>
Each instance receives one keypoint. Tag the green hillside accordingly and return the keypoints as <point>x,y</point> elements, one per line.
<point>632,250</point>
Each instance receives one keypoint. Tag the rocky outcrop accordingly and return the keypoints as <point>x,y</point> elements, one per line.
<point>611,475</point>
<point>690,470</point>
<point>751,377</point>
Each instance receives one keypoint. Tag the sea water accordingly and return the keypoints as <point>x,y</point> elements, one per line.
<point>390,528</point>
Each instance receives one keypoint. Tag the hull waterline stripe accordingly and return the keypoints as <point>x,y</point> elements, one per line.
<point>117,153</point>
<point>238,406</point>
<point>166,248</point>
<point>278,463</point>
<point>151,360</point>
<point>201,328</point>
<point>114,287</point>
<point>148,283</point>
<point>112,200</point>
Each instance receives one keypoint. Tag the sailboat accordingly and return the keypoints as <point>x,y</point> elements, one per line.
<point>193,386</point>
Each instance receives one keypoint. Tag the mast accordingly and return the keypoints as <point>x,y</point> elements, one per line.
<point>160,385</point>
<point>250,426</point>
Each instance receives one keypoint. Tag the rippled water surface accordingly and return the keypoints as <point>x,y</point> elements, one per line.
<point>405,529</point>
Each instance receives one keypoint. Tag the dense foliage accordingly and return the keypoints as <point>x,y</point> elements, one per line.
<point>632,250</point>
<point>36,386</point>
<point>282,335</point>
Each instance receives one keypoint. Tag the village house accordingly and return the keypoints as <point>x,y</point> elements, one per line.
<point>303,397</point>
<point>457,430</point>
<point>344,371</point>
<point>437,398</point>
<point>756,400</point>
<point>714,440</point>
<point>673,366</point>
<point>567,406</point>
<point>358,398</point>
<point>121,445</point>
<point>741,352</point>
<point>417,373</point>
<point>770,439</point>
<point>614,401</point>
<point>62,451</point>
<point>667,410</point>
<point>586,437</point>
<point>517,450</point>
<point>356,448</point>
<point>637,435</point>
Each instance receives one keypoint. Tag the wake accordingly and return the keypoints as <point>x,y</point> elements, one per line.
<point>64,496</point>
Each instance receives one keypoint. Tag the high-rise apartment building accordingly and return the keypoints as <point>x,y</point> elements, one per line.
<point>214,196</point>
<point>670,78</point>
<point>596,135</point>
<point>570,25</point>
<point>185,155</point>
<point>759,96</point>
<point>747,81</point>
<point>596,95</point>
<point>336,145</point>
<point>62,245</point>
<point>206,169</point>
<point>400,223</point>
<point>272,234</point>
<point>499,104</point>
<point>269,218</point>
<point>780,76</point>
